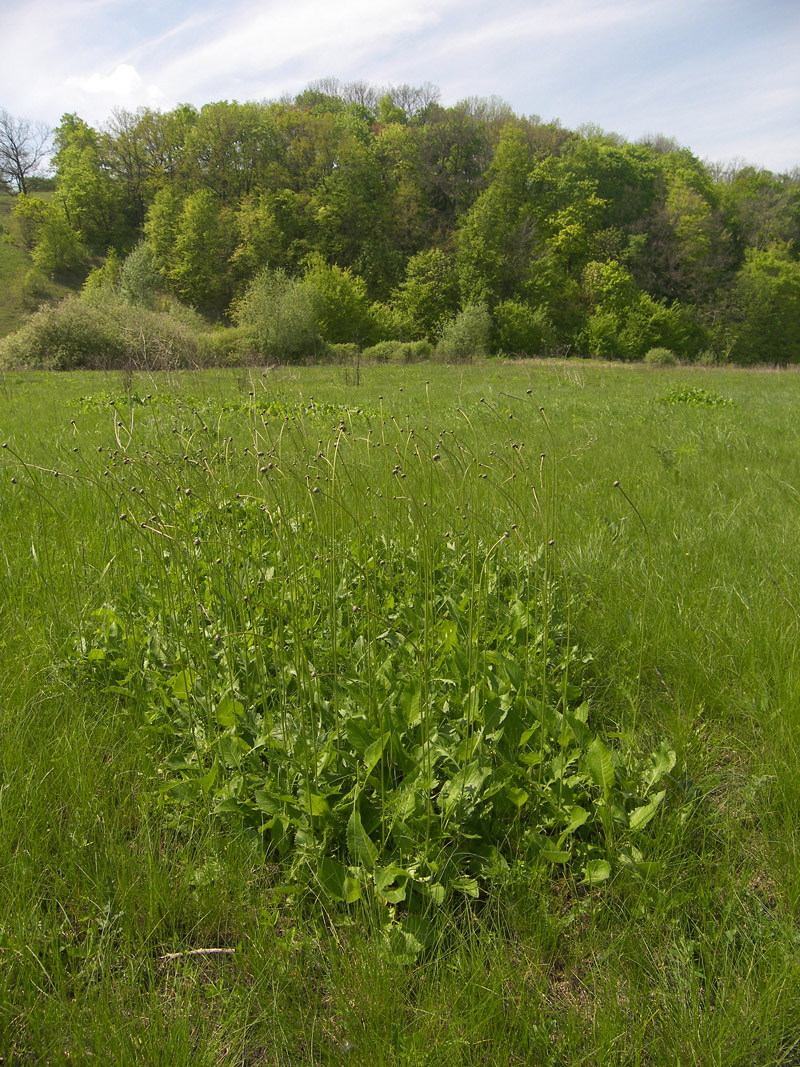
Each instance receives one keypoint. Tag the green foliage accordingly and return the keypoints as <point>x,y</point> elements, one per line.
<point>425,773</point>
<point>55,246</point>
<point>31,212</point>
<point>467,336</point>
<point>203,244</point>
<point>280,316</point>
<point>104,280</point>
<point>139,277</point>
<point>765,312</point>
<point>695,396</point>
<point>35,288</point>
<point>495,239</point>
<point>660,357</point>
<point>101,332</point>
<point>522,329</point>
<point>399,352</point>
<point>626,323</point>
<point>340,301</point>
<point>428,295</point>
<point>619,247</point>
<point>85,188</point>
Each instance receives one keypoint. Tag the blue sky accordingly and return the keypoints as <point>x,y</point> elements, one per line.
<point>721,76</point>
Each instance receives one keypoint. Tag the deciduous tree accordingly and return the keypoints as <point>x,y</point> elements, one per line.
<point>24,145</point>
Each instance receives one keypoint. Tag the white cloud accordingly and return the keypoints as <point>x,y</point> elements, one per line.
<point>124,85</point>
<point>717,74</point>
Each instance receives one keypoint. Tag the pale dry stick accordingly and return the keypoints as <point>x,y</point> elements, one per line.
<point>196,952</point>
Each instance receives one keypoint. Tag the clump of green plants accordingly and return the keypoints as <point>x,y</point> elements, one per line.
<point>398,352</point>
<point>380,755</point>
<point>99,334</point>
<point>660,357</point>
<point>695,396</point>
<point>390,709</point>
<point>466,336</point>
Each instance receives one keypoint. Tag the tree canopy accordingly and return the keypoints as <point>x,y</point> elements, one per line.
<point>396,215</point>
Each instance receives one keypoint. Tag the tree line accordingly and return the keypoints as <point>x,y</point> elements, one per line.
<point>366,215</point>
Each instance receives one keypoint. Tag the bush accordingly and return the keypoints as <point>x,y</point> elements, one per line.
<point>399,352</point>
<point>70,335</point>
<point>279,315</point>
<point>139,277</point>
<point>465,336</point>
<point>227,347</point>
<point>521,329</point>
<point>340,302</point>
<point>602,336</point>
<point>660,357</point>
<point>35,288</point>
<point>764,315</point>
<point>99,334</point>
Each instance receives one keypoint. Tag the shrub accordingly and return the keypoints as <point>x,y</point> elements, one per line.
<point>660,357</point>
<point>279,314</point>
<point>344,354</point>
<point>139,277</point>
<point>340,302</point>
<point>227,347</point>
<point>521,329</point>
<point>35,289</point>
<point>101,333</point>
<point>399,352</point>
<point>466,335</point>
<point>764,316</point>
<point>602,336</point>
<point>70,335</point>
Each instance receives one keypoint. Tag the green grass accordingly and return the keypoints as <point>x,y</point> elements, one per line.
<point>678,591</point>
<point>19,297</point>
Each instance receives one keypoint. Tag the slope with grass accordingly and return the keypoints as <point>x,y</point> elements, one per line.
<point>331,726</point>
<point>22,287</point>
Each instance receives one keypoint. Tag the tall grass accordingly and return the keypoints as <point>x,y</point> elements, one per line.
<point>276,641</point>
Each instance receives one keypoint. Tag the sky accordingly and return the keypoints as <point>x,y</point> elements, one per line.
<point>720,76</point>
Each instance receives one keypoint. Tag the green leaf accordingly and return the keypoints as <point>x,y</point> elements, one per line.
<point>466,785</point>
<point>466,885</point>
<point>577,817</point>
<point>315,804</point>
<point>516,795</point>
<point>182,684</point>
<point>553,855</point>
<point>596,871</point>
<point>390,883</point>
<point>372,754</point>
<point>642,815</point>
<point>581,732</point>
<point>599,766</point>
<point>335,880</point>
<point>631,857</point>
<point>661,762</point>
<point>229,711</point>
<point>362,849</point>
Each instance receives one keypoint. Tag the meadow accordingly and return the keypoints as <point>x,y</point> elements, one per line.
<point>424,715</point>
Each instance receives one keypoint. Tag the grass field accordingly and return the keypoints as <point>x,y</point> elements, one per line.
<point>375,724</point>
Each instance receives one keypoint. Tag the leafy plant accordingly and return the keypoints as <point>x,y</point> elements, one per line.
<point>660,357</point>
<point>400,720</point>
<point>695,396</point>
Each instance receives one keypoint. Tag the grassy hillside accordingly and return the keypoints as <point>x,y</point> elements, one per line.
<point>228,596</point>
<point>22,287</point>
